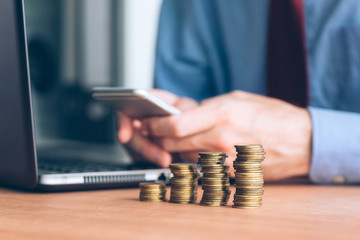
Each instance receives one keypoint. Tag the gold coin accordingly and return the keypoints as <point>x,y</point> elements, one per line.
<point>152,184</point>
<point>246,164</point>
<point>212,200</point>
<point>243,180</point>
<point>205,154</point>
<point>186,175</point>
<point>248,146</point>
<point>251,193</point>
<point>241,166</point>
<point>251,151</point>
<point>183,198</point>
<point>182,194</point>
<point>184,186</point>
<point>249,174</point>
<point>182,201</point>
<point>217,193</point>
<point>191,196</point>
<point>249,180</point>
<point>222,166</point>
<point>152,198</point>
<point>224,183</point>
<point>215,180</point>
<point>250,159</point>
<point>248,183</point>
<point>182,166</point>
<point>250,170</point>
<point>246,198</point>
<point>210,162</point>
<point>213,204</point>
<point>215,175</point>
<point>246,206</point>
<point>159,190</point>
<point>152,194</point>
<point>215,188</point>
<point>216,185</point>
<point>249,156</point>
<point>249,190</point>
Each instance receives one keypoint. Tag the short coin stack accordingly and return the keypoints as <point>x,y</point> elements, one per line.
<point>184,183</point>
<point>249,180</point>
<point>152,192</point>
<point>215,181</point>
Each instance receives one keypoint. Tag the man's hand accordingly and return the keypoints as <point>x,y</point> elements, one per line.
<point>219,123</point>
<point>135,138</point>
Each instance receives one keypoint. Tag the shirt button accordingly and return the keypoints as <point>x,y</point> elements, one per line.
<point>338,179</point>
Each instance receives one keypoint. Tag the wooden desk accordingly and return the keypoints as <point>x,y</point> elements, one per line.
<point>288,212</point>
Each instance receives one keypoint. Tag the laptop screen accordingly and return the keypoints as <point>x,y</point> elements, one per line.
<point>71,50</point>
<point>53,115</point>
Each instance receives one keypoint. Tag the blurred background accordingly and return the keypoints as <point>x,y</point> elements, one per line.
<point>77,44</point>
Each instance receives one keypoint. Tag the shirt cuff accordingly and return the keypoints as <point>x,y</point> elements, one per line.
<point>336,146</point>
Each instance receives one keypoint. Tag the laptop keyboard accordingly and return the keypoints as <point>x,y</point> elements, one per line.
<point>76,166</point>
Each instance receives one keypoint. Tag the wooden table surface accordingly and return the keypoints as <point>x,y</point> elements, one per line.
<point>288,212</point>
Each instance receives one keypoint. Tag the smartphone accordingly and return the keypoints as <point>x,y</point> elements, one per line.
<point>136,103</point>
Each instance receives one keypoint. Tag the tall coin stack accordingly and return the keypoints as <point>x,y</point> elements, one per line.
<point>215,181</point>
<point>249,179</point>
<point>184,183</point>
<point>152,192</point>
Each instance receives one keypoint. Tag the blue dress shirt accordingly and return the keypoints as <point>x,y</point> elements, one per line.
<point>211,47</point>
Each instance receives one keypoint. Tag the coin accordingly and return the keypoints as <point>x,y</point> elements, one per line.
<point>211,154</point>
<point>247,205</point>
<point>152,192</point>
<point>215,168</point>
<point>210,162</point>
<point>215,181</point>
<point>245,147</point>
<point>249,180</point>
<point>184,183</point>
<point>215,175</point>
<point>152,185</point>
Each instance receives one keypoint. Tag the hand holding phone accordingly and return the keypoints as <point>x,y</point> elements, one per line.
<point>131,131</point>
<point>133,105</point>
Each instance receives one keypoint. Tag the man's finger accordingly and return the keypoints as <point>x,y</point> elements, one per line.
<point>124,127</point>
<point>185,103</point>
<point>149,150</point>
<point>208,140</point>
<point>193,121</point>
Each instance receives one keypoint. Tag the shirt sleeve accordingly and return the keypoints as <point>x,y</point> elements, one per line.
<point>336,146</point>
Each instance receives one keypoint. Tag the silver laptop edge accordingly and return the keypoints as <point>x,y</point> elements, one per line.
<point>93,180</point>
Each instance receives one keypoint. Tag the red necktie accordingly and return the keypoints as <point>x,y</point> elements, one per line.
<point>287,77</point>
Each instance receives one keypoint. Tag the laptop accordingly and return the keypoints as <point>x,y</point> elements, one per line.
<point>22,164</point>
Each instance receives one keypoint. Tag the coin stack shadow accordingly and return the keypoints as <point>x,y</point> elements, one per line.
<point>215,181</point>
<point>184,183</point>
<point>249,178</point>
<point>152,192</point>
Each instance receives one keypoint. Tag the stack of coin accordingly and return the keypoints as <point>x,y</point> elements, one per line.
<point>215,181</point>
<point>152,192</point>
<point>184,183</point>
<point>249,179</point>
